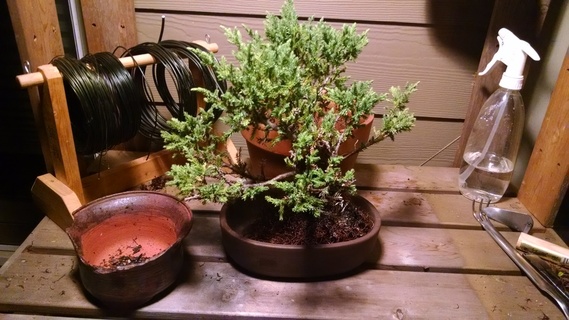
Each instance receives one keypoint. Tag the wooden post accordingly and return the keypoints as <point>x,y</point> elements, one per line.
<point>109,24</point>
<point>39,40</point>
<point>547,175</point>
<point>525,19</point>
<point>58,129</point>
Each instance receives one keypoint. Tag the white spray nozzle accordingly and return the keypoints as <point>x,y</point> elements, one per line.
<point>512,52</point>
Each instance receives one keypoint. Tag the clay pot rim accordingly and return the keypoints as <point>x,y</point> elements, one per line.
<point>283,146</point>
<point>184,230</point>
<point>371,234</point>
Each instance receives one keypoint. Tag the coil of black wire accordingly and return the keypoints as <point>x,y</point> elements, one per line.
<point>90,104</point>
<point>109,104</point>
<point>126,95</point>
<point>184,50</point>
<point>153,121</point>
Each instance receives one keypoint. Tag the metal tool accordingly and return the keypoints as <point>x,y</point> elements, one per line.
<point>538,280</point>
<point>516,221</point>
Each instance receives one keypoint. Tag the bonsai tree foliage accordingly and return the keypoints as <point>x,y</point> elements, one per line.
<point>292,81</point>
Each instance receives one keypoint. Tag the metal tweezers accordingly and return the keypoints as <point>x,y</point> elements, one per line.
<point>539,278</point>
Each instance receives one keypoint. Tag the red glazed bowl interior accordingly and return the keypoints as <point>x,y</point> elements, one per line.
<point>129,245</point>
<point>122,237</point>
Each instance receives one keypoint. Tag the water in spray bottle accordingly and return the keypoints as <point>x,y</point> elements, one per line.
<point>492,147</point>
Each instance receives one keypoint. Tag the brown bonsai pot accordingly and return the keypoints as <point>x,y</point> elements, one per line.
<point>291,261</point>
<point>129,246</point>
<point>266,159</point>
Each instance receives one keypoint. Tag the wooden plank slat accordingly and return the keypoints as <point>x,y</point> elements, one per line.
<point>400,248</point>
<point>443,12</point>
<point>36,30</point>
<point>403,248</point>
<point>395,55</point>
<point>407,178</point>
<point>415,147</point>
<point>437,210</point>
<point>547,175</point>
<point>108,24</point>
<point>47,284</point>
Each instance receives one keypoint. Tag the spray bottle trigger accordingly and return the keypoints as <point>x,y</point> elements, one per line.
<point>527,48</point>
<point>497,56</point>
<point>488,66</point>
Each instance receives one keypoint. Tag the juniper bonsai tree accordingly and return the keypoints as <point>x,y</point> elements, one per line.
<point>291,80</point>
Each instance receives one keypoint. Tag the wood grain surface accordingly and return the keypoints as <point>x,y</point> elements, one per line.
<point>432,260</point>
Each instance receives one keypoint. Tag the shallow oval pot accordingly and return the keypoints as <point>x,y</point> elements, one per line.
<point>292,261</point>
<point>129,246</point>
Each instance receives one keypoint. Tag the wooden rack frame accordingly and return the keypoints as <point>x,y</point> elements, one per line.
<point>59,136</point>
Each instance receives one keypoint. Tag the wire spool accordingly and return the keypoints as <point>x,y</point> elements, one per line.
<point>126,96</point>
<point>184,50</point>
<point>109,105</point>
<point>153,121</point>
<point>90,104</point>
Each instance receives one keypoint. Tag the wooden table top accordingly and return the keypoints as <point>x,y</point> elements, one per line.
<point>434,261</point>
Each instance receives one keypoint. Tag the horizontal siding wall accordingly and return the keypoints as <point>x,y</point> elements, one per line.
<point>435,42</point>
<point>409,148</point>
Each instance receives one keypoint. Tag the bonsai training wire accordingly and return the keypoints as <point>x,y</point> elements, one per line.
<point>153,121</point>
<point>91,106</point>
<point>170,56</point>
<point>211,82</point>
<point>126,96</point>
<point>108,104</point>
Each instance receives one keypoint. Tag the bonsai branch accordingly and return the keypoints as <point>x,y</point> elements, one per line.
<point>367,144</point>
<point>280,177</point>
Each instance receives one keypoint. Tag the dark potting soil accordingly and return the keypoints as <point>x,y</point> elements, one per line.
<point>156,184</point>
<point>334,225</point>
<point>122,259</point>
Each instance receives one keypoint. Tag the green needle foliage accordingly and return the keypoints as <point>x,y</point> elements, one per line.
<point>291,80</point>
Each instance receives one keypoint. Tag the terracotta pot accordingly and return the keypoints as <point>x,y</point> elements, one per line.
<point>291,261</point>
<point>267,160</point>
<point>360,135</point>
<point>129,246</point>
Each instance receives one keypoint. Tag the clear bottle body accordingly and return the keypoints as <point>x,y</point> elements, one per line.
<point>492,147</point>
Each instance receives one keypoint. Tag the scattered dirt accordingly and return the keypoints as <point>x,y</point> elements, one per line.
<point>334,225</point>
<point>156,184</point>
<point>121,258</point>
<point>413,202</point>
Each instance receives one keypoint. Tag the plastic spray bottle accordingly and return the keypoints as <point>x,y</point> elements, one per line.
<point>492,147</point>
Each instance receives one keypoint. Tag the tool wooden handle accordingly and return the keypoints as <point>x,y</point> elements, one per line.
<point>545,249</point>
